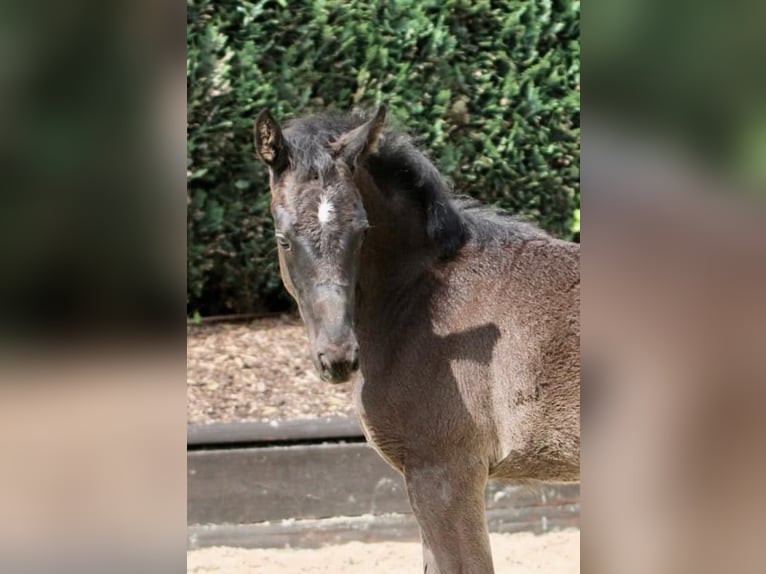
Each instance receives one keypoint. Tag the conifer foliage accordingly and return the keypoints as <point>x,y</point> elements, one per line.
<point>490,89</point>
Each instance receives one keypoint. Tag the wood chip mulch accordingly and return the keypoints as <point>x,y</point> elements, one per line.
<point>257,371</point>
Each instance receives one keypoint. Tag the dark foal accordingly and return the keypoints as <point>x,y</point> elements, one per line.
<point>464,323</point>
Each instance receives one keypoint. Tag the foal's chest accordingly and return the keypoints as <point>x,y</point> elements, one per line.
<point>382,430</point>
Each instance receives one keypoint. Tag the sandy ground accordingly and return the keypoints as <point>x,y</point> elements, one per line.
<point>523,553</point>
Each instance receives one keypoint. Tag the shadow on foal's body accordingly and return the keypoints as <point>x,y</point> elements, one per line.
<point>464,323</point>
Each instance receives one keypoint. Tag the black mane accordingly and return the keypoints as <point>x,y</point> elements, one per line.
<point>398,166</point>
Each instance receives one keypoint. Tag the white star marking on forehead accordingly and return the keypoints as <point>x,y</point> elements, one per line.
<point>326,210</point>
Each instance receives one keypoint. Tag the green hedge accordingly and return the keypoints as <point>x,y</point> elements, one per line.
<point>491,89</point>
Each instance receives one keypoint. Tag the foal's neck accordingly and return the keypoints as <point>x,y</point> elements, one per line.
<point>397,255</point>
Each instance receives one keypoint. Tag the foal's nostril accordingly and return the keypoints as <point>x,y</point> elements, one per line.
<point>337,364</point>
<point>355,359</point>
<point>323,362</point>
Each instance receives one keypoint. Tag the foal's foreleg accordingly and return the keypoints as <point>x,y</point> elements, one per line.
<point>448,502</point>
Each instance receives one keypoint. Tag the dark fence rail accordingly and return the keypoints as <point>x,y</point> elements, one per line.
<point>218,435</point>
<point>314,482</point>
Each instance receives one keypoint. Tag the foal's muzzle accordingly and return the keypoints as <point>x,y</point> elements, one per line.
<point>338,362</point>
<point>331,331</point>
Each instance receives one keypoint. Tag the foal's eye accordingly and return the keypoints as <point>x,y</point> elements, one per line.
<point>282,241</point>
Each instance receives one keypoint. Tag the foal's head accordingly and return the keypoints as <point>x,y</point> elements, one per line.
<point>320,223</point>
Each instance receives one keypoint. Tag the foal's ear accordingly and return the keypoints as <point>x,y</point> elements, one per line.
<point>269,143</point>
<point>360,141</point>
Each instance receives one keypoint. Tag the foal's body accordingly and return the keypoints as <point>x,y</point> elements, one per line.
<point>474,375</point>
<point>468,338</point>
